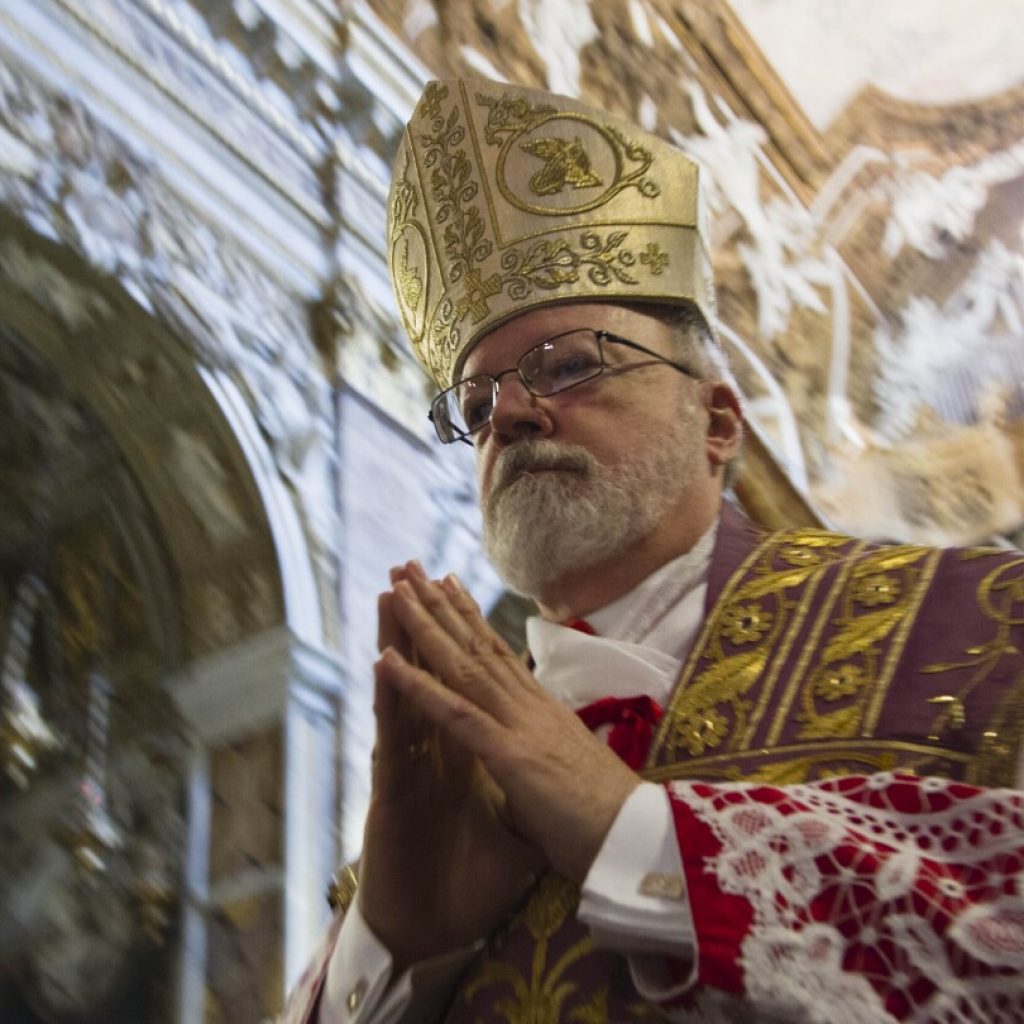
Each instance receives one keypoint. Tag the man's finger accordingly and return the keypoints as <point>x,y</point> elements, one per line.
<point>389,631</point>
<point>467,724</point>
<point>400,726</point>
<point>487,637</point>
<point>435,598</point>
<point>466,662</point>
<point>454,610</point>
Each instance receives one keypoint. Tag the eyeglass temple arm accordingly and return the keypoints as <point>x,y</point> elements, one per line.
<point>616,339</point>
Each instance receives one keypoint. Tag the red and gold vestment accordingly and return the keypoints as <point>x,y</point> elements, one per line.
<point>834,752</point>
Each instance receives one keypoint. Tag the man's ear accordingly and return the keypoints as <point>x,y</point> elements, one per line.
<point>725,424</point>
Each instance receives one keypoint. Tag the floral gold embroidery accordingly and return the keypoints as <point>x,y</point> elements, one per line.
<point>773,583</point>
<point>594,1010</point>
<point>880,588</point>
<point>711,708</point>
<point>745,624</point>
<point>840,681</point>
<point>545,264</point>
<point>453,189</point>
<point>797,555</point>
<point>856,665</point>
<point>549,905</point>
<point>410,283</point>
<point>549,265</point>
<point>696,722</point>
<point>851,637</point>
<point>999,757</point>
<point>840,675</point>
<point>703,731</point>
<point>1001,599</point>
<point>637,154</point>
<point>606,257</point>
<point>541,998</point>
<point>861,633</point>
<point>510,115</point>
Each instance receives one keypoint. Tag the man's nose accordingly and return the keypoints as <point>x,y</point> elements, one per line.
<point>517,413</point>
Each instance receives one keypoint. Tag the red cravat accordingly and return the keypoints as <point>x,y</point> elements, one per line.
<point>582,625</point>
<point>632,720</point>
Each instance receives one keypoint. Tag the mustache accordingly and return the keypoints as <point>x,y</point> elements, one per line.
<point>534,456</point>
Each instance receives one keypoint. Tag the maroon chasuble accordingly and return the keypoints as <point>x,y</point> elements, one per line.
<point>820,655</point>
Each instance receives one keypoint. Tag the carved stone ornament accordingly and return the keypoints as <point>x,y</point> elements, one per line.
<point>170,45</point>
<point>92,191</point>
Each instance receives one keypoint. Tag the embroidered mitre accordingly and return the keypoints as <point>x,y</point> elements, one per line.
<point>504,199</point>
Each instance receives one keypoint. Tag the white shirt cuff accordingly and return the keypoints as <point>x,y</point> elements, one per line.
<point>356,990</point>
<point>634,898</point>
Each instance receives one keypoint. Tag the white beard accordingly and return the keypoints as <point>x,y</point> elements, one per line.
<point>540,525</point>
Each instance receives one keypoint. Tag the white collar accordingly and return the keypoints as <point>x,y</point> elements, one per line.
<point>634,616</point>
<point>663,613</point>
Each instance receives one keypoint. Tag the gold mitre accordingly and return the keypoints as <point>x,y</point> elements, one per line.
<point>504,199</point>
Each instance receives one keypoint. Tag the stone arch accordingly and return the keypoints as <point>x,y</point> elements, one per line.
<point>223,575</point>
<point>234,545</point>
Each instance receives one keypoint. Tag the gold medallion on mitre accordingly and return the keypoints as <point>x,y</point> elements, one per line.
<point>504,199</point>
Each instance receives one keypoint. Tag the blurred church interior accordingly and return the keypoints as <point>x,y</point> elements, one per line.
<point>213,438</point>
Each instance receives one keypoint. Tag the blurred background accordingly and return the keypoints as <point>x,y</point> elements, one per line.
<point>213,440</point>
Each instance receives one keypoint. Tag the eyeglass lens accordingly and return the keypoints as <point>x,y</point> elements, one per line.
<point>552,366</point>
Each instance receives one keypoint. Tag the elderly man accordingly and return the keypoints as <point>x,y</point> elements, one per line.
<point>714,786</point>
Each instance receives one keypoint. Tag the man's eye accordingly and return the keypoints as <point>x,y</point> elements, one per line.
<point>573,366</point>
<point>476,412</point>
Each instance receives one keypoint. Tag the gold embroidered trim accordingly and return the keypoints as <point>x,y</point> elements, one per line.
<point>878,600</point>
<point>896,648</point>
<point>864,751</point>
<point>999,762</point>
<point>668,725</point>
<point>747,640</point>
<point>810,646</point>
<point>1000,597</point>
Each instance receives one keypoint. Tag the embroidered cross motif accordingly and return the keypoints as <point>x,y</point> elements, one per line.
<point>474,298</point>
<point>654,257</point>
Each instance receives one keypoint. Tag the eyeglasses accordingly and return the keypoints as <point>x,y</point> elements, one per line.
<point>555,365</point>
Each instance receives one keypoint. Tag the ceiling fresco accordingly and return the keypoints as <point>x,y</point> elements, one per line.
<point>827,51</point>
<point>867,200</point>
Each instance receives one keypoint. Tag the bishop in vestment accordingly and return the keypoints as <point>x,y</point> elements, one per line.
<point>743,775</point>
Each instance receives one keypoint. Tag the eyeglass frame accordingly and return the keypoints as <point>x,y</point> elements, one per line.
<point>601,336</point>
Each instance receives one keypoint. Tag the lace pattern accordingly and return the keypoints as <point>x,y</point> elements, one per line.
<point>881,898</point>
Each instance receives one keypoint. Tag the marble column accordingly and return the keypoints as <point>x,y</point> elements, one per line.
<point>263,813</point>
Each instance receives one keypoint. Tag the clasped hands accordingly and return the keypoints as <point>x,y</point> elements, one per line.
<point>513,782</point>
